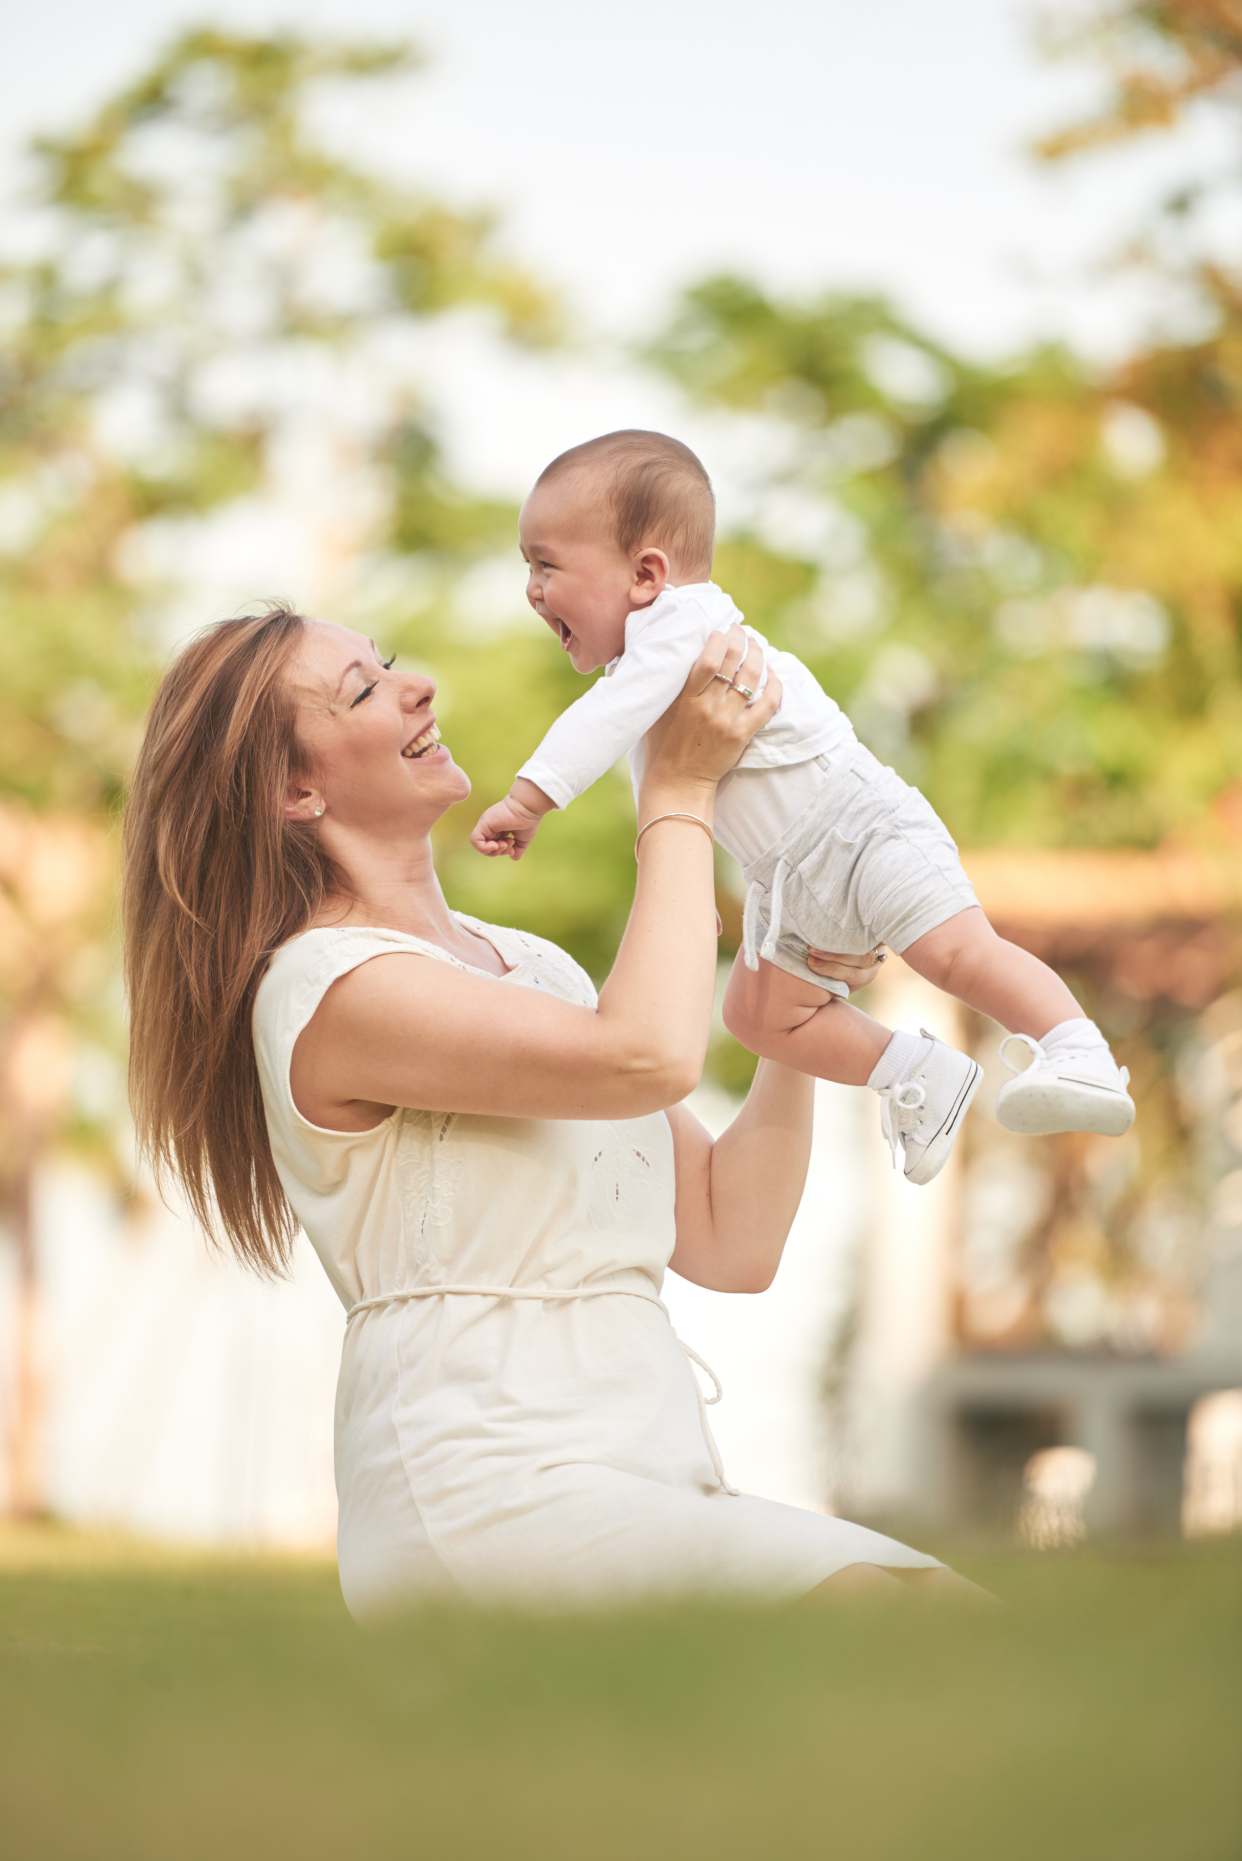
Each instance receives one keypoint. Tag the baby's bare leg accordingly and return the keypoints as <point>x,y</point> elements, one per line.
<point>781,1017</point>
<point>965,957</point>
<point>1072,1082</point>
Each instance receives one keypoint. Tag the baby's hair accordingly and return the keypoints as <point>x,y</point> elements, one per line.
<point>654,490</point>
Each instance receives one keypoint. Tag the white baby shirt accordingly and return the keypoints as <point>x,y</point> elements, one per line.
<point>662,642</point>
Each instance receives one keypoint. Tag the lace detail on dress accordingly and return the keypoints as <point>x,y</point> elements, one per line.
<point>430,1163</point>
<point>541,965</point>
<point>624,1176</point>
<point>552,968</point>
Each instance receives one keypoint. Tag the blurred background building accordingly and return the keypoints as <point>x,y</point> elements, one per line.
<point>950,300</point>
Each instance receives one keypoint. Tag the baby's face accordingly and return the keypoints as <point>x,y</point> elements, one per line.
<point>579,581</point>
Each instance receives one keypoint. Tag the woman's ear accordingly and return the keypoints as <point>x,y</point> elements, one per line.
<point>650,577</point>
<point>303,804</point>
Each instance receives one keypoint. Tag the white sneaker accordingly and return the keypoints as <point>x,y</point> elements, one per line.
<point>924,1113</point>
<point>1069,1089</point>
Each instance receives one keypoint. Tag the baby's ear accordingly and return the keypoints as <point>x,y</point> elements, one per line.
<point>650,577</point>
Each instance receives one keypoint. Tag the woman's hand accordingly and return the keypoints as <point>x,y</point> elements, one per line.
<point>857,971</point>
<point>704,731</point>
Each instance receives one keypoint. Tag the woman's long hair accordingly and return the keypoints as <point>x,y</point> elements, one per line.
<point>214,880</point>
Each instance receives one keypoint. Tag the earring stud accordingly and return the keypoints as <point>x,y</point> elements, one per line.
<point>319,810</point>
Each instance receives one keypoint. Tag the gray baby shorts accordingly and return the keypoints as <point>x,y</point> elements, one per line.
<point>868,862</point>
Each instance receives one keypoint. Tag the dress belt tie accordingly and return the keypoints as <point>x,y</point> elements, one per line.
<point>572,1292</point>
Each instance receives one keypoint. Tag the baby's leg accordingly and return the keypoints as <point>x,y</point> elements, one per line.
<point>782,1017</point>
<point>925,1087</point>
<point>965,957</point>
<point>1072,1082</point>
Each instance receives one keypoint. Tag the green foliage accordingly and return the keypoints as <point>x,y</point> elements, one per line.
<point>1002,598</point>
<point>203,261</point>
<point>192,225</point>
<point>1038,633</point>
<point>1160,57</point>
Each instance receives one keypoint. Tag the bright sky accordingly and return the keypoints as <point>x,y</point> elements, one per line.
<point>811,143</point>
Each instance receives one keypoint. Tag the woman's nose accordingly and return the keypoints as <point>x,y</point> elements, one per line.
<point>420,689</point>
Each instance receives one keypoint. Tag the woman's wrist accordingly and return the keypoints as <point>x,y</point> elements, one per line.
<point>666,797</point>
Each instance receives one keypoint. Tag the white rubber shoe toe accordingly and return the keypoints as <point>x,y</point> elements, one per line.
<point>1069,1089</point>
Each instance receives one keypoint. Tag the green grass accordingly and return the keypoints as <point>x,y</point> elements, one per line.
<point>187,1707</point>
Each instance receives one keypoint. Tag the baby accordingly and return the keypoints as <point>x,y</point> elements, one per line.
<point>838,853</point>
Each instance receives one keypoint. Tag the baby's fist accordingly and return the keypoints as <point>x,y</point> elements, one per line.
<point>506,827</point>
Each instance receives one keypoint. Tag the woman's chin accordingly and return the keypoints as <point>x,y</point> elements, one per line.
<point>455,779</point>
<point>433,761</point>
<point>437,780</point>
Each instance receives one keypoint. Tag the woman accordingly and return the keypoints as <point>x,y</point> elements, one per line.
<point>492,1164</point>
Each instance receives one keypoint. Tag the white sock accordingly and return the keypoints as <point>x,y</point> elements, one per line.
<point>1077,1033</point>
<point>898,1060</point>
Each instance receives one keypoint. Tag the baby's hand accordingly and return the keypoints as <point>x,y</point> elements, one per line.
<point>508,826</point>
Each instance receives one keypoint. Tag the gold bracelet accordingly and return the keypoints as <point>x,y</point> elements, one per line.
<point>656,819</point>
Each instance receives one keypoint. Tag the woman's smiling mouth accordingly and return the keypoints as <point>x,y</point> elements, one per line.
<point>421,745</point>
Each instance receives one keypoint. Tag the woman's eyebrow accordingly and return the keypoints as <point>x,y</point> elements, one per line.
<point>355,665</point>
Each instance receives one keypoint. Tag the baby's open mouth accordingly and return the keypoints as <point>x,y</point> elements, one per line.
<point>420,745</point>
<point>566,635</point>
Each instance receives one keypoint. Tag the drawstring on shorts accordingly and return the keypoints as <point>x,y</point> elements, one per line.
<point>750,917</point>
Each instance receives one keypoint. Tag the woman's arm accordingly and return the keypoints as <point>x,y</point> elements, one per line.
<point>737,1197</point>
<point>404,1030</point>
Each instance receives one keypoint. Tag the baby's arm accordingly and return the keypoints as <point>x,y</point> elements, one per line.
<point>510,825</point>
<point>598,729</point>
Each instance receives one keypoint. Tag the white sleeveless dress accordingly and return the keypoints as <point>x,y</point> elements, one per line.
<point>515,1416</point>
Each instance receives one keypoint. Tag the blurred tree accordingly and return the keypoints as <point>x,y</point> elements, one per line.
<point>218,316</point>
<point>1024,583</point>
<point>1160,57</point>
<point>989,568</point>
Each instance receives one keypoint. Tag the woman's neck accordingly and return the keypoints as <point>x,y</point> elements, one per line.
<point>392,884</point>
<point>396,887</point>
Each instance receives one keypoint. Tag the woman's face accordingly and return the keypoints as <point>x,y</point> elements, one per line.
<point>371,733</point>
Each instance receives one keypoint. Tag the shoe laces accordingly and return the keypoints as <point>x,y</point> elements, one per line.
<point>1039,1055</point>
<point>898,1105</point>
<point>1071,1056</point>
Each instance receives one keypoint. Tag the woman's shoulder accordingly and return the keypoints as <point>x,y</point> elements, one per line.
<point>298,976</point>
<point>545,965</point>
<point>338,943</point>
<point>301,971</point>
<point>340,947</point>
